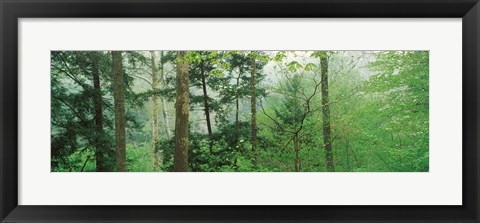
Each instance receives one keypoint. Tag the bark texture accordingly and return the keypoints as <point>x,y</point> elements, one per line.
<point>99,132</point>
<point>119,103</point>
<point>180,160</point>
<point>237,97</point>
<point>154,77</point>
<point>326,114</point>
<point>206,105</point>
<point>253,86</point>
<point>166,123</point>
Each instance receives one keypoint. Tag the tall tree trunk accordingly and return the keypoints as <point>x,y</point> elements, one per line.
<point>119,103</point>
<point>154,111</point>
<point>237,118</point>
<point>253,86</point>
<point>164,105</point>
<point>99,133</point>
<point>180,159</point>
<point>237,97</point>
<point>326,113</point>
<point>206,106</point>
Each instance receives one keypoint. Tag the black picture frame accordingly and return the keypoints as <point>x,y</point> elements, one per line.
<point>12,10</point>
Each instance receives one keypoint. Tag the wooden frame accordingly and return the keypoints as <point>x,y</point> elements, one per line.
<point>11,11</point>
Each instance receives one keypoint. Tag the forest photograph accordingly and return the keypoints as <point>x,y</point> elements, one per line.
<point>239,111</point>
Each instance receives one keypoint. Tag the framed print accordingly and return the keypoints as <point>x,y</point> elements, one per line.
<point>228,111</point>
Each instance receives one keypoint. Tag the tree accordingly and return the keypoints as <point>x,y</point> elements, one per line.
<point>182,113</point>
<point>327,138</point>
<point>154,76</point>
<point>294,104</point>
<point>268,111</point>
<point>206,75</point>
<point>119,103</point>
<point>235,87</point>
<point>79,123</point>
<point>257,61</point>
<point>287,122</point>
<point>200,72</point>
<point>166,124</point>
<point>398,93</point>
<point>98,101</point>
<point>205,99</point>
<point>240,63</point>
<point>253,85</point>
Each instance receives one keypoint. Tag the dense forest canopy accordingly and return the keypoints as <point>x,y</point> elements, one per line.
<point>240,111</point>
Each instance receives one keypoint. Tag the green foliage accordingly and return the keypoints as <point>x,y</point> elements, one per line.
<point>79,161</point>
<point>72,104</point>
<point>139,159</point>
<point>378,101</point>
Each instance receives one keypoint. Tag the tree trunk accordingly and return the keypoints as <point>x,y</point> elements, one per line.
<point>99,141</point>
<point>253,86</point>
<point>154,111</point>
<point>237,118</point>
<point>164,106</point>
<point>326,113</point>
<point>119,103</point>
<point>206,106</point>
<point>180,160</point>
<point>237,97</point>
